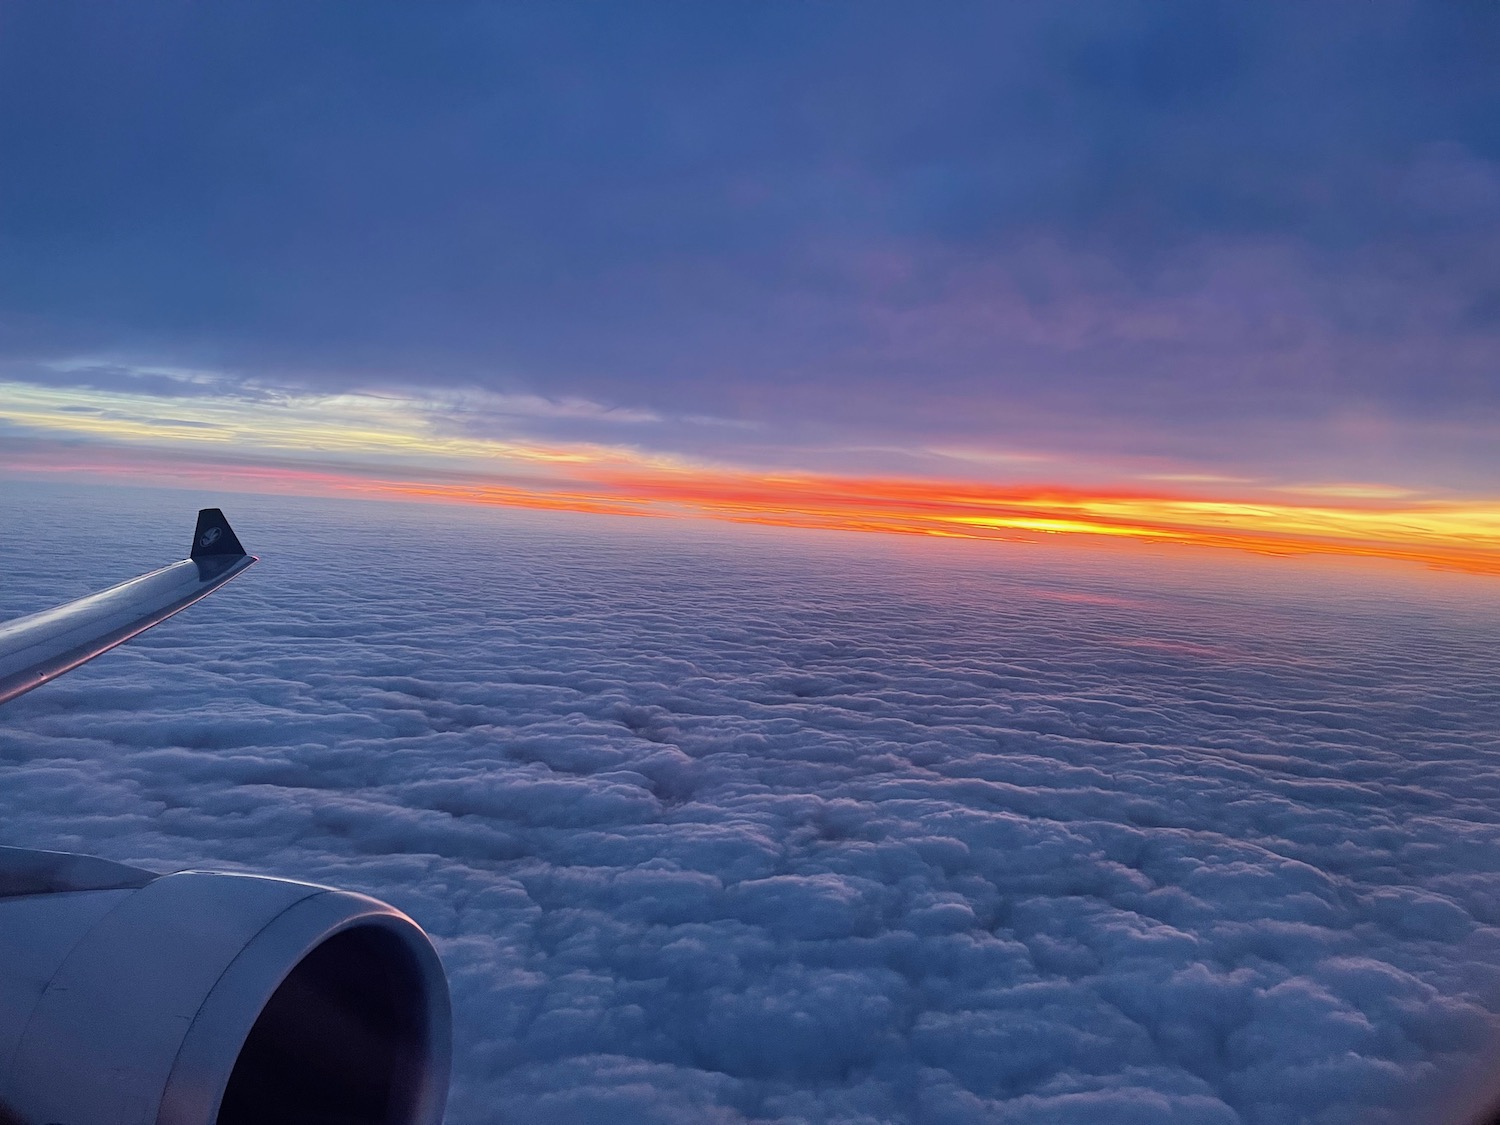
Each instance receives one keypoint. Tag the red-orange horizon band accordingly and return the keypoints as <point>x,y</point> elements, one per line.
<point>1449,534</point>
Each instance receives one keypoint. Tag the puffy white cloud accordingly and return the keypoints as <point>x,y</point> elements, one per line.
<point>749,828</point>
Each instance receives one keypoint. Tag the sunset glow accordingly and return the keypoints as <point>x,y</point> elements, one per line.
<point>845,561</point>
<point>1459,534</point>
<point>1104,279</point>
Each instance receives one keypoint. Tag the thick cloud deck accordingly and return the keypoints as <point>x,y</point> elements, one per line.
<point>734,827</point>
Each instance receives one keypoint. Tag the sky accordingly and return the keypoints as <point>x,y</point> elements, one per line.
<point>1196,272</point>
<point>723,825</point>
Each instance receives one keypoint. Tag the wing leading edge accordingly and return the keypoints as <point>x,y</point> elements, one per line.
<point>43,646</point>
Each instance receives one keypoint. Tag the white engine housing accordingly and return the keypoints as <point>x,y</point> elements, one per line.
<point>200,997</point>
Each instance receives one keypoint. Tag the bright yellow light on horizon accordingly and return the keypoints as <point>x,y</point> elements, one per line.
<point>404,448</point>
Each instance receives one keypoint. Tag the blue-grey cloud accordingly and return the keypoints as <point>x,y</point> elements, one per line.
<point>721,826</point>
<point>1205,220</point>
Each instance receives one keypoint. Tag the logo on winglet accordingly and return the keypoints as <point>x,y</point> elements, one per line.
<point>209,537</point>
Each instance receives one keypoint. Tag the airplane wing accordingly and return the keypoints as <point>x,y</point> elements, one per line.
<point>198,997</point>
<point>43,646</point>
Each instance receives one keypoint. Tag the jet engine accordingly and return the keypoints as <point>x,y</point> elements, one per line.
<point>132,998</point>
<point>197,997</point>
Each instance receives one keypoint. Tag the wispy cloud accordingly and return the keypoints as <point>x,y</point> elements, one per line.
<point>477,427</point>
<point>477,448</point>
<point>125,379</point>
<point>1439,532</point>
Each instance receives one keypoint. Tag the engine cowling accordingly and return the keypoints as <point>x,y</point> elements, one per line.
<point>199,997</point>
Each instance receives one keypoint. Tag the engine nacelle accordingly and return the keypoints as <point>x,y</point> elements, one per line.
<point>196,998</point>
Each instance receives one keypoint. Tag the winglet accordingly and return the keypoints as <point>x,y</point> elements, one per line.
<point>214,537</point>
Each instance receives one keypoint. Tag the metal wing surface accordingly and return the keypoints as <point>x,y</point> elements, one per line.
<point>43,646</point>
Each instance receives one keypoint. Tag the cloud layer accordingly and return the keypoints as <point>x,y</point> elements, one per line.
<point>752,827</point>
<point>1245,239</point>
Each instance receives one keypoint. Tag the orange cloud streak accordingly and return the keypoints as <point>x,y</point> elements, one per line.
<point>1450,534</point>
